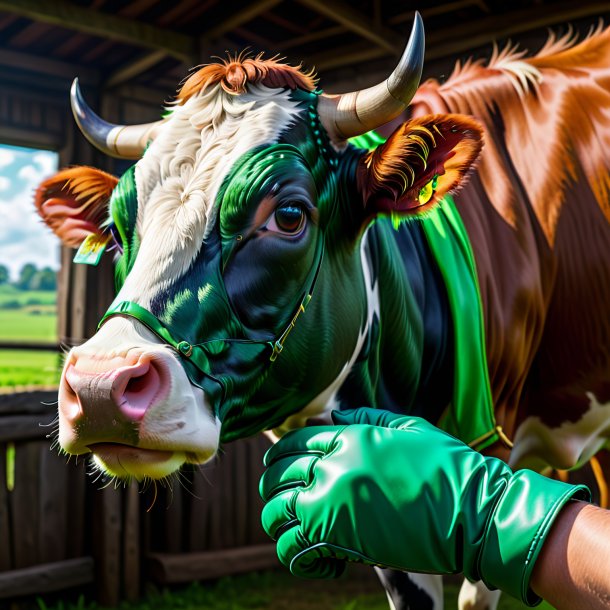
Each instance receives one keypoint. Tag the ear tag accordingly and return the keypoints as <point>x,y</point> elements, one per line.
<point>426,192</point>
<point>91,250</point>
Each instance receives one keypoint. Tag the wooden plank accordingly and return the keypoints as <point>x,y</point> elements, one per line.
<point>35,63</point>
<point>453,40</point>
<point>345,56</point>
<point>239,17</point>
<point>6,535</point>
<point>78,513</point>
<point>168,568</point>
<point>135,68</point>
<point>172,508</point>
<point>359,23</point>
<point>29,34</point>
<point>34,402</point>
<point>199,510</point>
<point>24,427</point>
<point>54,529</point>
<point>24,500</point>
<point>107,545</point>
<point>46,578</point>
<point>445,42</point>
<point>297,41</point>
<point>30,345</point>
<point>131,543</point>
<point>80,19</point>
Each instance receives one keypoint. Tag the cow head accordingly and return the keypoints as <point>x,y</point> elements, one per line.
<point>246,204</point>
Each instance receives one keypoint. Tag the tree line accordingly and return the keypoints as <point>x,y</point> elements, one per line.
<point>30,278</point>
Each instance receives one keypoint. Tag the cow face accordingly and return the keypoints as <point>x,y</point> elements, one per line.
<point>245,206</point>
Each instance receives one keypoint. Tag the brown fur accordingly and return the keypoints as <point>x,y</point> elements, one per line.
<point>537,212</point>
<point>234,74</point>
<point>74,202</point>
<point>391,176</point>
<point>552,120</point>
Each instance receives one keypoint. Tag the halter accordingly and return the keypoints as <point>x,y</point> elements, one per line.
<point>197,353</point>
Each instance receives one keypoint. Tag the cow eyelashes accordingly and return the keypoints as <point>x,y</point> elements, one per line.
<point>287,219</point>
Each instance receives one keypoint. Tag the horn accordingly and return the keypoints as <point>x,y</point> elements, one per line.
<point>351,114</point>
<point>122,141</point>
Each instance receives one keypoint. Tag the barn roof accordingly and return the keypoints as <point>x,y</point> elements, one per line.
<point>151,44</point>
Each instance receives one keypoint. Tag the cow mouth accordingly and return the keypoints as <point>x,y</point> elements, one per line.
<point>128,462</point>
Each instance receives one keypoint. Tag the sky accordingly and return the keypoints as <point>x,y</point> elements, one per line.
<point>23,236</point>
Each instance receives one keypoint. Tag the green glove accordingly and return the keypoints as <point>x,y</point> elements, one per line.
<point>397,492</point>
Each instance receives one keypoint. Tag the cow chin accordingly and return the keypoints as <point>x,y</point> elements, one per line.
<point>126,462</point>
<point>126,400</point>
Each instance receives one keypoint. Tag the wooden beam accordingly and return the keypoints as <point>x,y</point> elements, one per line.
<point>359,23</point>
<point>46,578</point>
<point>134,68</point>
<point>54,67</point>
<point>473,34</point>
<point>344,56</point>
<point>468,36</point>
<point>68,15</point>
<point>239,17</point>
<point>33,403</point>
<point>297,41</point>
<point>167,568</point>
<point>25,427</point>
<point>433,11</point>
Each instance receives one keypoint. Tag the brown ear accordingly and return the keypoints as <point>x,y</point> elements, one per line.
<point>74,202</point>
<point>423,160</point>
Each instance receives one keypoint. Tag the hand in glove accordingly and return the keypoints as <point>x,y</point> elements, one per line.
<point>397,492</point>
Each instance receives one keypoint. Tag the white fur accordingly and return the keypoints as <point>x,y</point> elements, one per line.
<point>476,596</point>
<point>183,420</point>
<point>572,444</point>
<point>180,175</point>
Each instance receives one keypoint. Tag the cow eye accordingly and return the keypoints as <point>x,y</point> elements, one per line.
<point>288,218</point>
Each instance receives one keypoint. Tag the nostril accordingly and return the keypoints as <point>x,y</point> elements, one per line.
<point>140,387</point>
<point>68,397</point>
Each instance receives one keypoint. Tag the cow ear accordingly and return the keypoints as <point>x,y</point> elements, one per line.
<point>423,160</point>
<point>74,203</point>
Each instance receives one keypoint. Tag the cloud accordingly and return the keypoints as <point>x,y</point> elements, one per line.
<point>23,236</point>
<point>6,157</point>
<point>5,183</point>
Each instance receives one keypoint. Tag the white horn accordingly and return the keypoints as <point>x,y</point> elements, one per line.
<point>122,141</point>
<point>351,114</point>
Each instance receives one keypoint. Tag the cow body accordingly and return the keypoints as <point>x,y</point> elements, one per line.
<point>249,207</point>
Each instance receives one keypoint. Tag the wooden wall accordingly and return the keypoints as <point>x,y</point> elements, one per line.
<point>61,526</point>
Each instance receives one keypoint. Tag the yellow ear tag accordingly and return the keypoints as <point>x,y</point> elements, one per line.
<point>426,192</point>
<point>92,248</point>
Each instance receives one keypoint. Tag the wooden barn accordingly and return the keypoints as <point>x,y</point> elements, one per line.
<point>60,528</point>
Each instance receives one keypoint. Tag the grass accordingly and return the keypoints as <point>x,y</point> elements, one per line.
<point>23,325</point>
<point>24,368</point>
<point>10,293</point>
<point>270,590</point>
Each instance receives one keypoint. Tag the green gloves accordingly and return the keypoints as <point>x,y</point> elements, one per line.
<point>397,492</point>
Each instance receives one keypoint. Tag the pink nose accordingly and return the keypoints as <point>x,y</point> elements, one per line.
<point>126,391</point>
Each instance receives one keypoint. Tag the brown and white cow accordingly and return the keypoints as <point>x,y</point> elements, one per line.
<point>247,205</point>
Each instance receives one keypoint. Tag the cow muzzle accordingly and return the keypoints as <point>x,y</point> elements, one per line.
<point>134,409</point>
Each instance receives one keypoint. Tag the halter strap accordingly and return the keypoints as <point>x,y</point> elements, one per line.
<point>196,353</point>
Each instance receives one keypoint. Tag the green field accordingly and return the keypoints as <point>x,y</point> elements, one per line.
<point>27,368</point>
<point>34,324</point>
<point>28,317</point>
<point>10,293</point>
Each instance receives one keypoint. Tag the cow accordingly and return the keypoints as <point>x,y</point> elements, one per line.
<point>269,270</point>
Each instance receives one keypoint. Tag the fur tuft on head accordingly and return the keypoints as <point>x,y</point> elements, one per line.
<point>235,72</point>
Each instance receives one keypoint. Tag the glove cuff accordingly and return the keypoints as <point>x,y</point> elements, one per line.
<point>517,530</point>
